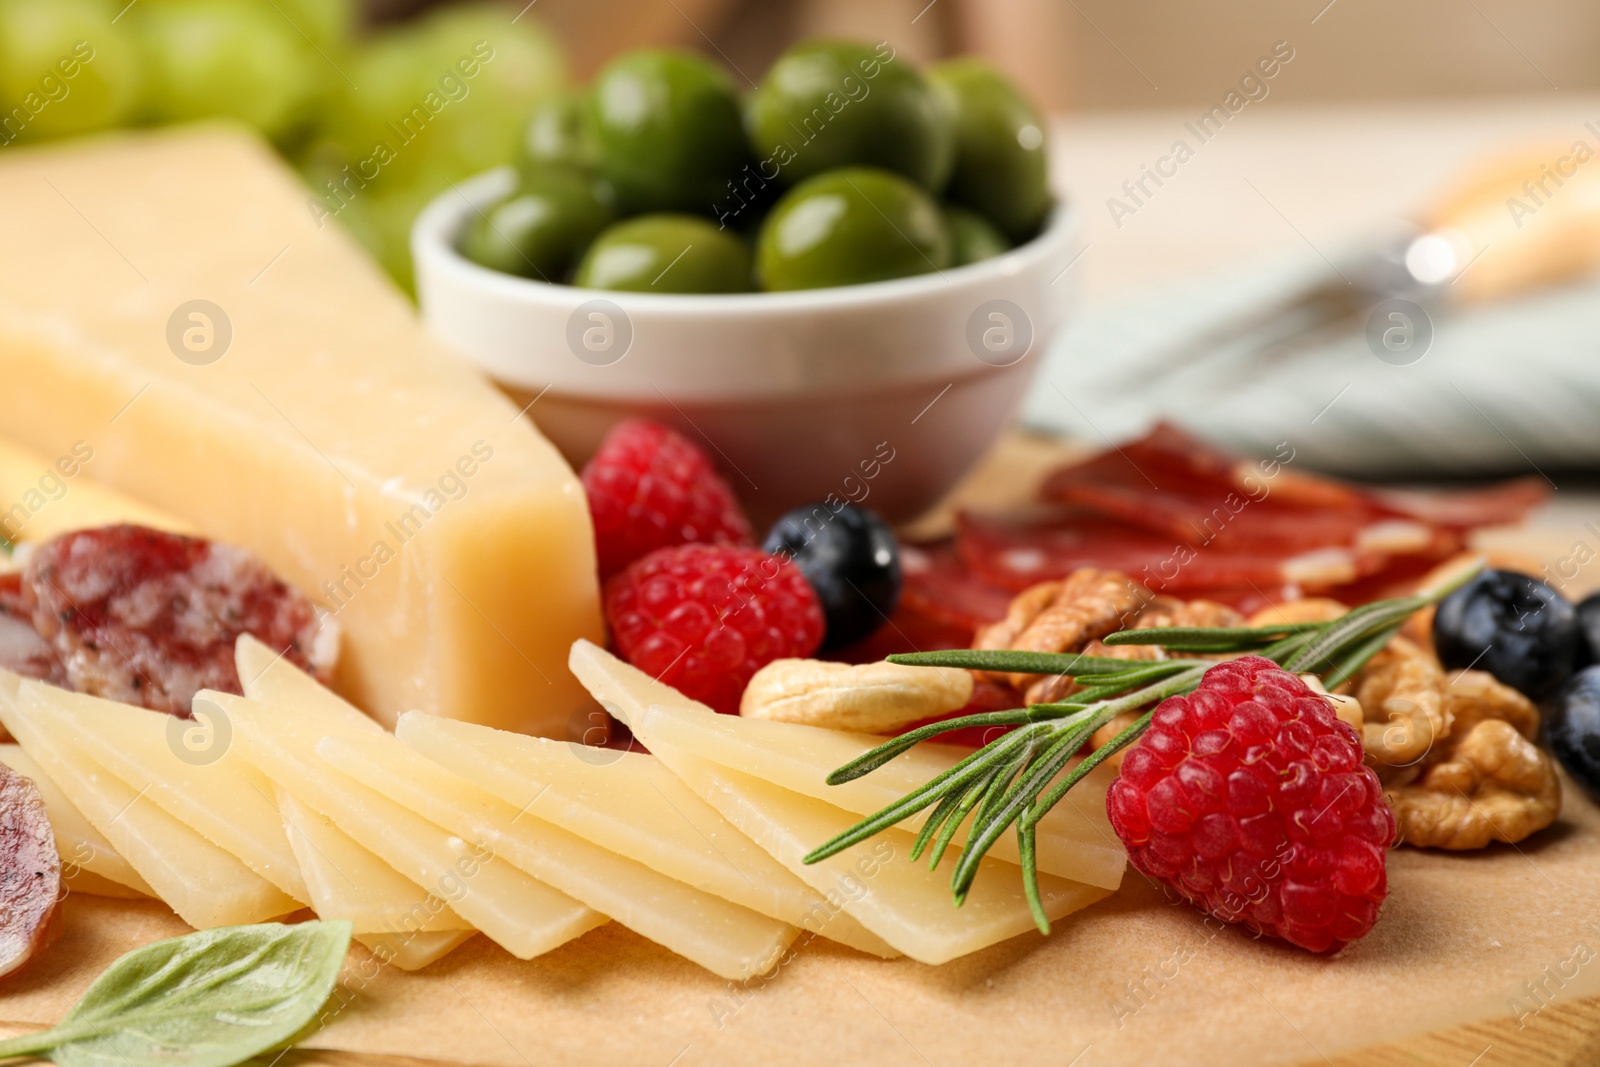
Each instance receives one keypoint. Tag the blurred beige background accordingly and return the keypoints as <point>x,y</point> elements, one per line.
<point>1115,54</point>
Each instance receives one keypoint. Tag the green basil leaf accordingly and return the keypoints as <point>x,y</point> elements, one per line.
<point>209,999</point>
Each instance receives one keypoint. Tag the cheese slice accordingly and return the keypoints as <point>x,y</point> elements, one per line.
<point>190,769</point>
<point>899,900</point>
<point>629,803</point>
<point>725,939</point>
<point>204,884</point>
<point>345,881</point>
<point>523,916</point>
<point>412,952</point>
<point>272,679</point>
<point>301,413</point>
<point>43,498</point>
<point>88,862</point>
<point>1074,841</point>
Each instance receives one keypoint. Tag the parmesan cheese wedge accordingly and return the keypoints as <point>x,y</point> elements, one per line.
<point>522,915</point>
<point>88,862</point>
<point>1074,841</point>
<point>412,952</point>
<point>190,770</point>
<point>629,803</point>
<point>346,881</point>
<point>168,299</point>
<point>899,900</point>
<point>44,498</point>
<point>725,939</point>
<point>204,884</point>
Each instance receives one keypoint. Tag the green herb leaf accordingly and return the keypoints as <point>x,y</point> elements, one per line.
<point>209,999</point>
<point>1210,638</point>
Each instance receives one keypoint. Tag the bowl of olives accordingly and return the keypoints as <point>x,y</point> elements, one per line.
<point>841,279</point>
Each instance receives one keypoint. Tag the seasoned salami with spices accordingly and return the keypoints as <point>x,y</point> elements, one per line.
<point>30,872</point>
<point>150,618</point>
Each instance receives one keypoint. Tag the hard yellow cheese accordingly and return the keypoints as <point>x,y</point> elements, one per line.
<point>728,940</point>
<point>345,881</point>
<point>895,897</point>
<point>43,498</point>
<point>204,884</point>
<point>1074,841</point>
<point>629,803</point>
<point>191,770</point>
<point>522,915</point>
<point>88,862</point>
<point>412,952</point>
<point>299,411</point>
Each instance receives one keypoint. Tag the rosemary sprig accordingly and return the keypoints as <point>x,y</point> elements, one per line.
<point>1018,778</point>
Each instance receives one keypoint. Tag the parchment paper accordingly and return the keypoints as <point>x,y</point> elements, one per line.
<point>1132,980</point>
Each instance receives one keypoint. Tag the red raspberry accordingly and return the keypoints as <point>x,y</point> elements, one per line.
<point>649,488</point>
<point>704,618</point>
<point>1248,796</point>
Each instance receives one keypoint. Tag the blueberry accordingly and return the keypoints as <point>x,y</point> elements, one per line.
<point>1589,628</point>
<point>1513,626</point>
<point>850,557</point>
<point>1574,729</point>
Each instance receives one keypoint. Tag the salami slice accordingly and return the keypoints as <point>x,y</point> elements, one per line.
<point>150,618</point>
<point>22,650</point>
<point>30,872</point>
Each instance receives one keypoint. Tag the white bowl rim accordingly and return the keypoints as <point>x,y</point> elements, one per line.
<point>433,238</point>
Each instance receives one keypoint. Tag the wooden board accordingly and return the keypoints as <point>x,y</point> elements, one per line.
<point>1433,984</point>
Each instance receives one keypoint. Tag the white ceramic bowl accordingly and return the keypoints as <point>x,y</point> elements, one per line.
<point>883,394</point>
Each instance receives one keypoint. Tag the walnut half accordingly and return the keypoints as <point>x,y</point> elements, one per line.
<point>1485,780</point>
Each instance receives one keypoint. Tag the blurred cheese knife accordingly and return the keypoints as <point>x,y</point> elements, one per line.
<point>1515,222</point>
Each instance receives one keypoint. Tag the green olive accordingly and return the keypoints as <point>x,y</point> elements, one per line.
<point>1002,165</point>
<point>541,229</point>
<point>848,226</point>
<point>667,129</point>
<point>558,133</point>
<point>828,104</point>
<point>973,237</point>
<point>666,254</point>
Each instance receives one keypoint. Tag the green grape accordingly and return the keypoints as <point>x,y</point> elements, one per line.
<point>65,68</point>
<point>232,58</point>
<point>327,24</point>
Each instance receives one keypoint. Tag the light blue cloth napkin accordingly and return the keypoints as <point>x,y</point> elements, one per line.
<point>1510,388</point>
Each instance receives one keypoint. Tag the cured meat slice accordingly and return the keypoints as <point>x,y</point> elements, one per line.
<point>22,650</point>
<point>147,617</point>
<point>1015,553</point>
<point>30,872</point>
<point>940,587</point>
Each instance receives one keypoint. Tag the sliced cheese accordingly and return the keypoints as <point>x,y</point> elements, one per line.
<point>725,939</point>
<point>88,862</point>
<point>522,915</point>
<point>269,677</point>
<point>191,770</point>
<point>204,884</point>
<point>629,803</point>
<point>300,412</point>
<point>43,498</point>
<point>899,900</point>
<point>412,952</point>
<point>1074,841</point>
<point>345,881</point>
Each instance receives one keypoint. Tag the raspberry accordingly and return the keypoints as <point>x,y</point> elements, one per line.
<point>649,488</point>
<point>1249,797</point>
<point>705,618</point>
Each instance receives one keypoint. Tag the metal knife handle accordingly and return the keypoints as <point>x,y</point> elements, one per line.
<point>1523,219</point>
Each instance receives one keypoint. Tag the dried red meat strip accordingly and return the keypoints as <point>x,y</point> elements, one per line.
<point>1014,554</point>
<point>939,587</point>
<point>30,872</point>
<point>148,617</point>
